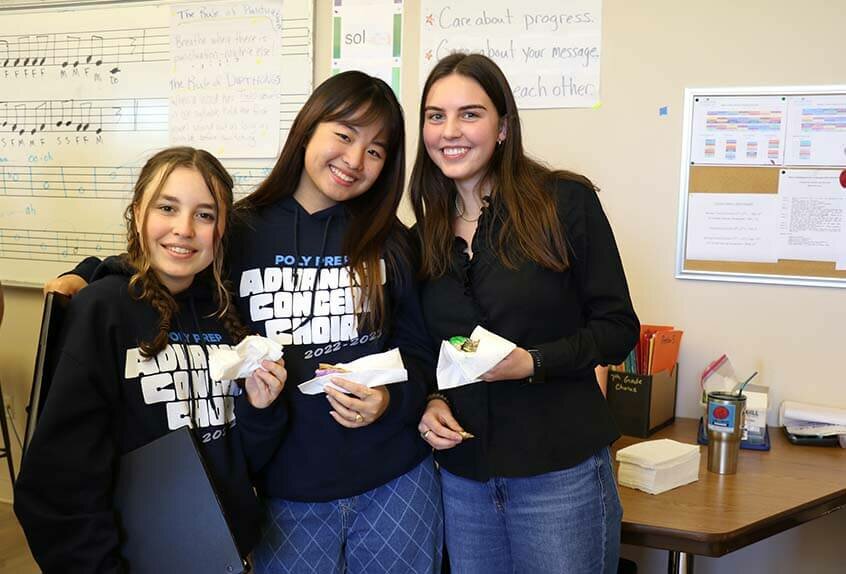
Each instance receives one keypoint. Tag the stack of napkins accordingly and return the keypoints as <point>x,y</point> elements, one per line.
<point>656,466</point>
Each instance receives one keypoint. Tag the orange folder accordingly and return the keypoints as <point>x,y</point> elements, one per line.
<point>665,350</point>
<point>642,352</point>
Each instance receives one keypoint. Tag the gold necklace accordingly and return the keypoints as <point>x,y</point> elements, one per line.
<point>459,210</point>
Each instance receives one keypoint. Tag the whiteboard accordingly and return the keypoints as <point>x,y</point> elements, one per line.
<point>85,101</point>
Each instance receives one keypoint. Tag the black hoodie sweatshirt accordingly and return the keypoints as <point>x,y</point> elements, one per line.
<point>106,400</point>
<point>291,283</point>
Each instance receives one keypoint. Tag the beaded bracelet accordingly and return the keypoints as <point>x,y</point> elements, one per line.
<point>441,396</point>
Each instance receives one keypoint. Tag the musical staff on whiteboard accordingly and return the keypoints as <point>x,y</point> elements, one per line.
<point>296,37</point>
<point>58,246</point>
<point>99,182</point>
<point>109,49</point>
<point>83,182</point>
<point>100,48</point>
<point>84,116</point>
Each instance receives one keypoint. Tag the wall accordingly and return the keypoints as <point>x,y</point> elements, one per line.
<point>652,50</point>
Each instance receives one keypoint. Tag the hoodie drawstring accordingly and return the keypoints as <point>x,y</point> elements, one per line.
<point>320,261</point>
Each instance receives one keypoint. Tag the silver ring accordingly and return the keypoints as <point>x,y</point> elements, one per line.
<point>425,434</point>
<point>359,418</point>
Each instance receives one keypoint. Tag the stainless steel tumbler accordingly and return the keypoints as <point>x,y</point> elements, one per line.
<point>726,417</point>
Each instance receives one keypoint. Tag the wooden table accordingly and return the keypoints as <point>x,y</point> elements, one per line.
<point>771,492</point>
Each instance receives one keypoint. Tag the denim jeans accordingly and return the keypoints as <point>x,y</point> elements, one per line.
<point>566,521</point>
<point>395,528</point>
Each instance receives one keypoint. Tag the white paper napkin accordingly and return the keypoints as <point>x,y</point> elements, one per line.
<point>371,370</point>
<point>241,361</point>
<point>658,454</point>
<point>457,368</point>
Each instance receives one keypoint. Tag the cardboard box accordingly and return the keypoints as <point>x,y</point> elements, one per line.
<point>643,404</point>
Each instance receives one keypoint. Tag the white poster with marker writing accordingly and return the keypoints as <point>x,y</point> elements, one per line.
<point>226,75</point>
<point>548,49</point>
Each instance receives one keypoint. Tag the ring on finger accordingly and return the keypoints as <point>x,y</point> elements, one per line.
<point>359,418</point>
<point>425,434</point>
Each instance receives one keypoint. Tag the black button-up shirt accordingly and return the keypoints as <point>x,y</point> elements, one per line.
<point>578,318</point>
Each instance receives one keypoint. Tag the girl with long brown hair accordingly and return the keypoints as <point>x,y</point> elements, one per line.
<point>134,366</point>
<point>526,252</point>
<point>321,266</point>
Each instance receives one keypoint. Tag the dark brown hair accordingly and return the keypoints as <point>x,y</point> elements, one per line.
<point>144,284</point>
<point>530,228</point>
<point>373,231</point>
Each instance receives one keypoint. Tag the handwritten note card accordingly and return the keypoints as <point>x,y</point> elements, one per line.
<point>226,77</point>
<point>548,49</point>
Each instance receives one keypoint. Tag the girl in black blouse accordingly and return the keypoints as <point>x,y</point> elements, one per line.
<point>527,253</point>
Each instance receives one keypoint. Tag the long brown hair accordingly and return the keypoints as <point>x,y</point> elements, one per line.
<point>144,284</point>
<point>373,231</point>
<point>530,228</point>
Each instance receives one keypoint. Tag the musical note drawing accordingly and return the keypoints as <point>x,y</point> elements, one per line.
<point>18,108</point>
<point>5,114</point>
<point>84,116</point>
<point>96,48</point>
<point>40,112</point>
<point>65,110</point>
<point>70,53</point>
<point>4,48</point>
<point>42,44</point>
<point>21,41</point>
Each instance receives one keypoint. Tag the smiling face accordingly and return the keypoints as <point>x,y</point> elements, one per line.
<point>342,161</point>
<point>461,128</point>
<point>178,227</point>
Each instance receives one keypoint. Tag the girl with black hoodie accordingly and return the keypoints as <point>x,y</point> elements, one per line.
<point>134,366</point>
<point>321,264</point>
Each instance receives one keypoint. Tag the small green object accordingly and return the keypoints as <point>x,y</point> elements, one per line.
<point>464,344</point>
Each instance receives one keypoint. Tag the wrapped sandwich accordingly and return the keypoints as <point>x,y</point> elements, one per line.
<point>464,344</point>
<point>328,369</point>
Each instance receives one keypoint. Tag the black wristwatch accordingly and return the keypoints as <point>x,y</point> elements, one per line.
<point>539,375</point>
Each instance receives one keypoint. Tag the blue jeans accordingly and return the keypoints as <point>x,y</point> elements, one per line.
<point>395,528</point>
<point>566,521</point>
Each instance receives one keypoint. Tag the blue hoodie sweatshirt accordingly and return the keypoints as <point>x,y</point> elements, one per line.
<point>292,284</point>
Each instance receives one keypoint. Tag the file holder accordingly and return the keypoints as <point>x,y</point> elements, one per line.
<point>643,404</point>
